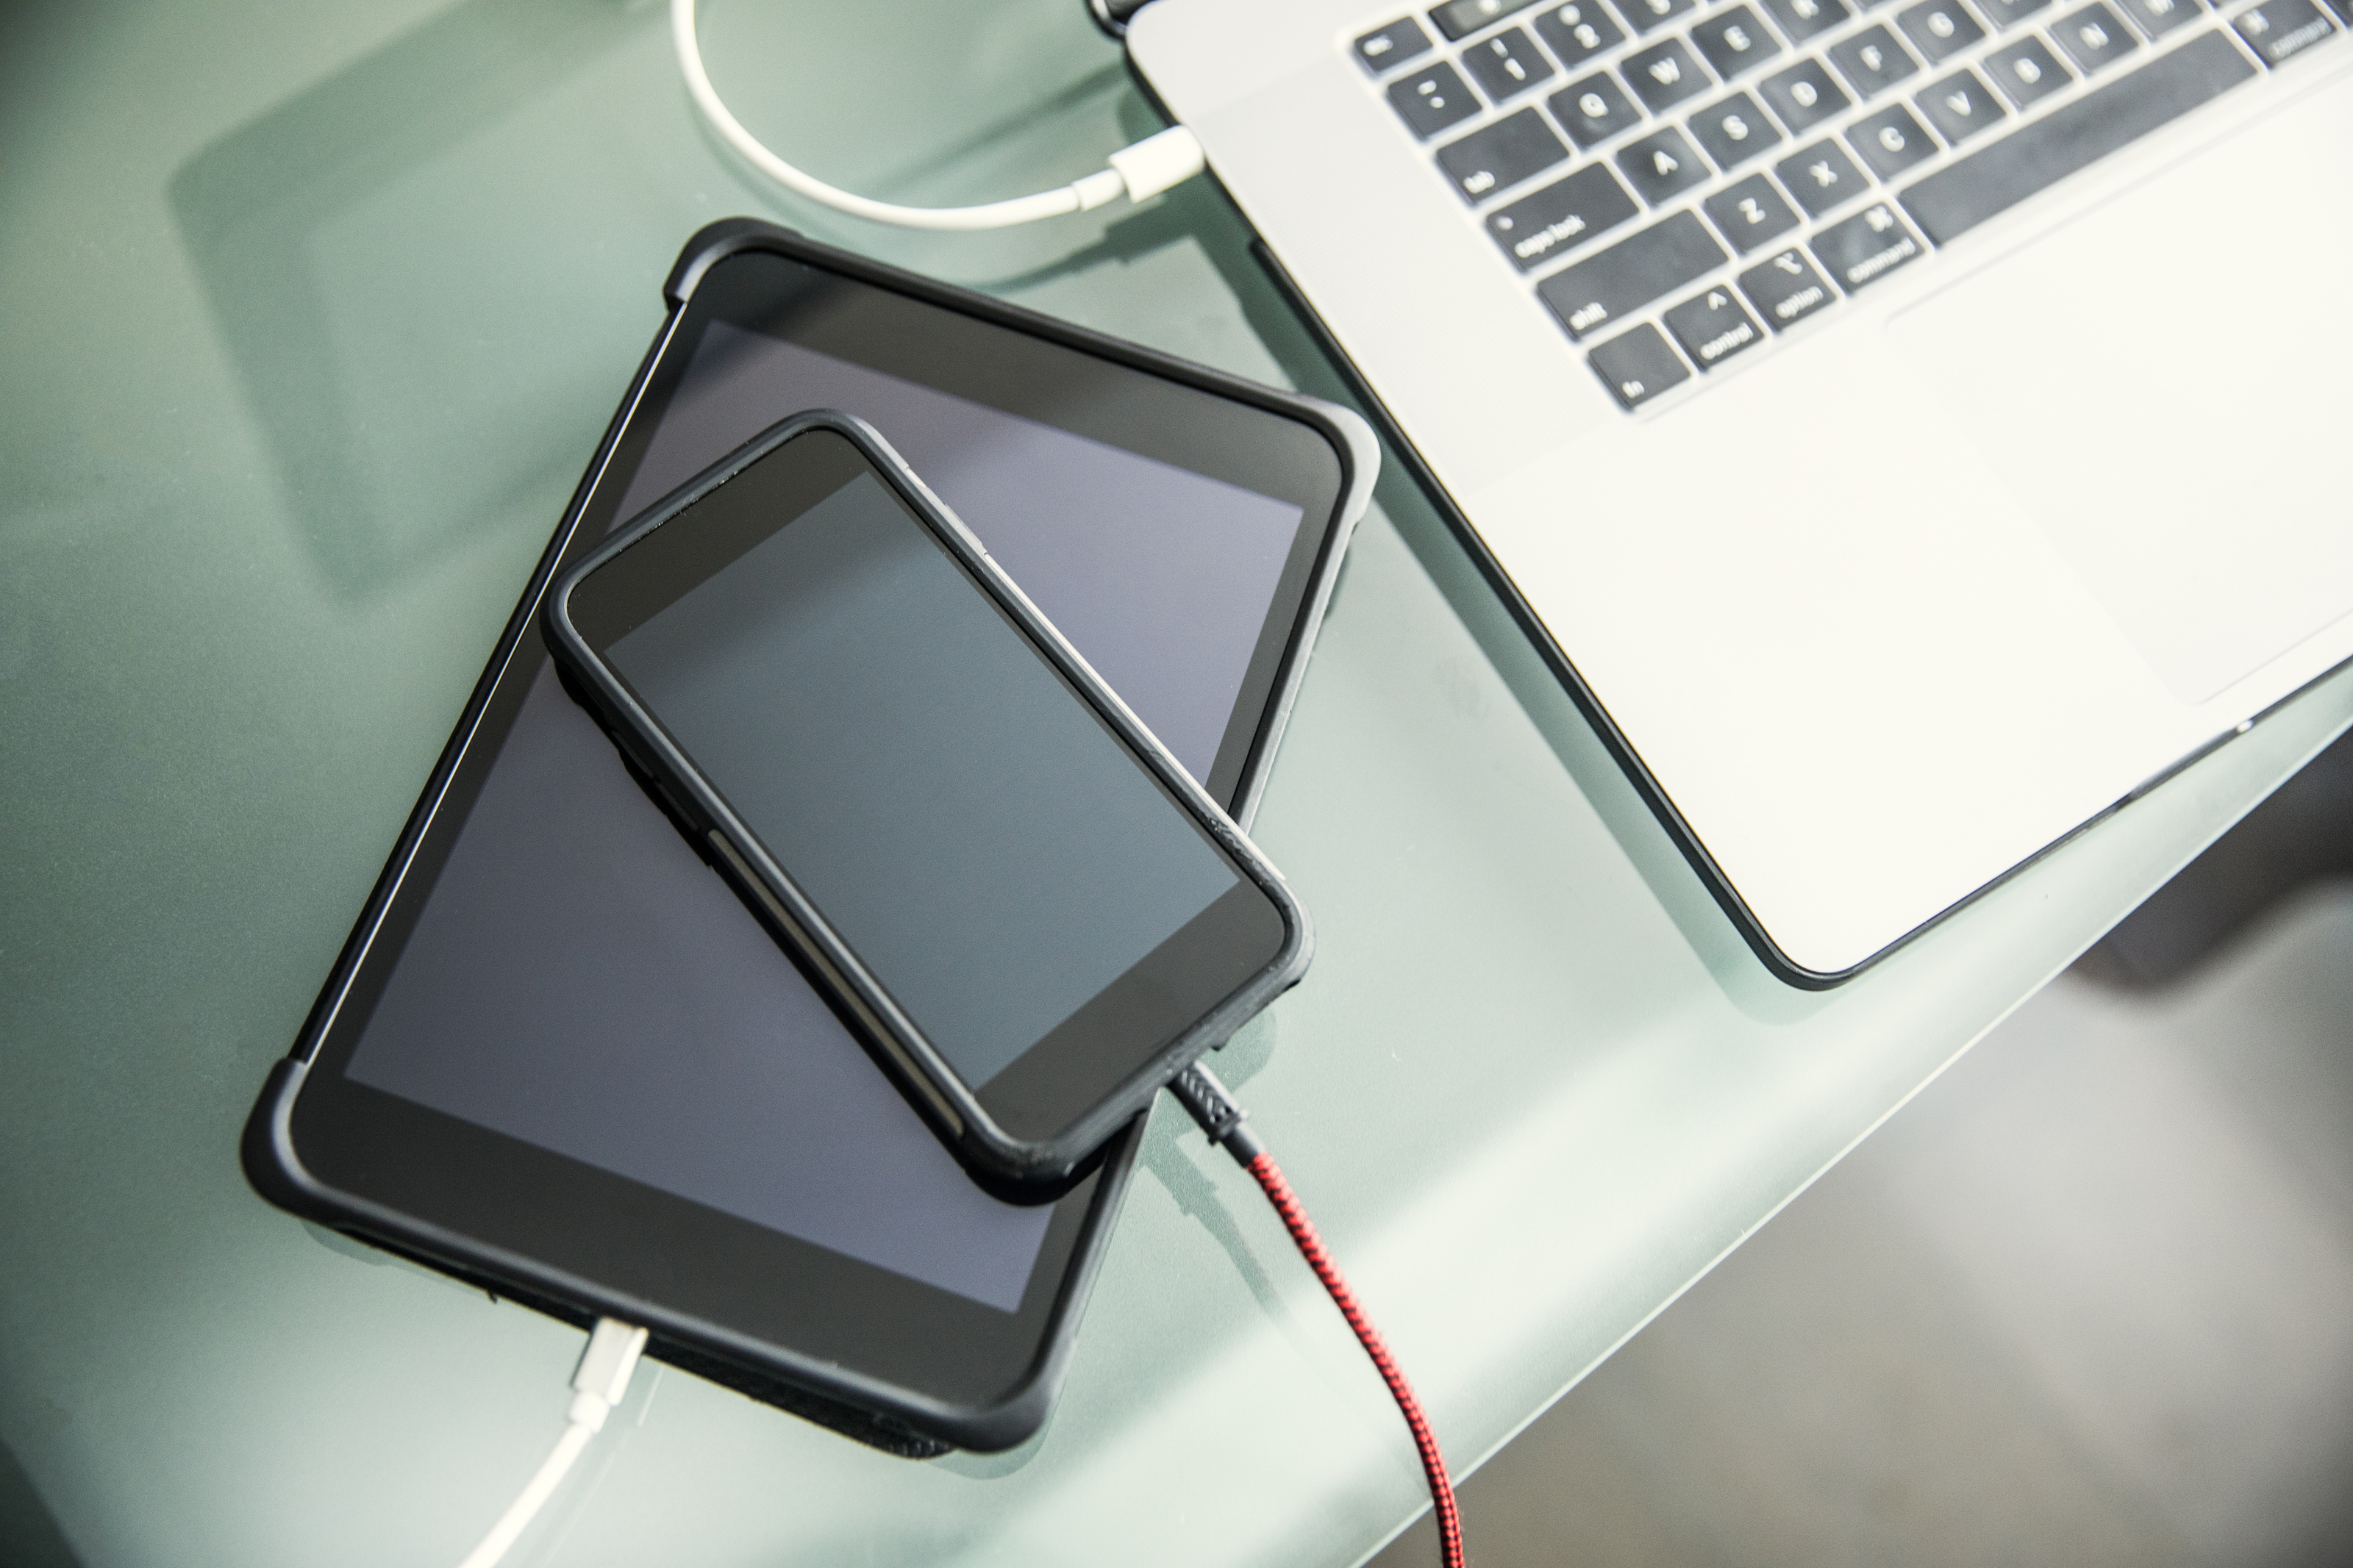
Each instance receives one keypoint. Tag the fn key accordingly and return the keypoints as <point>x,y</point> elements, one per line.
<point>1637,366</point>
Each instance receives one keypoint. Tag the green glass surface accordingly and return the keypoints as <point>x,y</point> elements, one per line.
<point>312,317</point>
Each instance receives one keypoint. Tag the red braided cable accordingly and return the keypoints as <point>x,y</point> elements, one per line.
<point>1311,1247</point>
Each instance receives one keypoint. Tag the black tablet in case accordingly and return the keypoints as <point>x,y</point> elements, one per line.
<point>559,1057</point>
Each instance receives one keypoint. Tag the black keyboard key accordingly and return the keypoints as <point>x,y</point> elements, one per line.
<point>1866,248</point>
<point>1505,64</point>
<point>1661,165</point>
<point>2011,13</point>
<point>1802,19</point>
<point>2027,71</point>
<point>1750,213</point>
<point>1432,98</point>
<point>1461,18</point>
<point>1561,218</point>
<point>1712,328</point>
<point>1873,61</point>
<point>1997,177</point>
<point>1637,367</point>
<point>1939,29</point>
<point>1501,154</point>
<point>1960,107</point>
<point>1734,40</point>
<point>2279,30</point>
<point>1578,32</point>
<point>1593,110</point>
<point>1394,45</point>
<point>1786,289</point>
<point>1735,131</point>
<point>1644,14</point>
<point>1890,141</point>
<point>2158,17</point>
<point>2094,37</point>
<point>1821,177</point>
<point>1803,96</point>
<point>1665,74</point>
<point>1590,294</point>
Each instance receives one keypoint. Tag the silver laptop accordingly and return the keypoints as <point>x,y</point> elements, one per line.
<point>1916,426</point>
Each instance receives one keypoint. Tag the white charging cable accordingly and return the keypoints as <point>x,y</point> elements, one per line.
<point>1146,169</point>
<point>598,1384</point>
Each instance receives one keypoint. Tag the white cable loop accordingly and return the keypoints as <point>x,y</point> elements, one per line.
<point>598,1383</point>
<point>1146,169</point>
<point>532,1499</point>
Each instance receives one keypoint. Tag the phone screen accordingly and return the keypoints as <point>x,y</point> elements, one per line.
<point>578,979</point>
<point>983,842</point>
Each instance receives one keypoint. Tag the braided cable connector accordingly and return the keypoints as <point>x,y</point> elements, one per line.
<point>1222,1118</point>
<point>1213,1105</point>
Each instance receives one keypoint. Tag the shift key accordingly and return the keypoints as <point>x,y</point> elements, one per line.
<point>1617,281</point>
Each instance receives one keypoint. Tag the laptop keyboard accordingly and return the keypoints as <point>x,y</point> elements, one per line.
<point>1683,181</point>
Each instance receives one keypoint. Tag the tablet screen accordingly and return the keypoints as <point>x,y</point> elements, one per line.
<point>578,979</point>
<point>1161,576</point>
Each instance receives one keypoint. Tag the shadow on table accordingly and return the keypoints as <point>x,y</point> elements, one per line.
<point>2302,834</point>
<point>413,359</point>
<point>435,269</point>
<point>29,1536</point>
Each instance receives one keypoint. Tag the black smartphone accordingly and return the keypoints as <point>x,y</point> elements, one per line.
<point>557,1056</point>
<point>1016,896</point>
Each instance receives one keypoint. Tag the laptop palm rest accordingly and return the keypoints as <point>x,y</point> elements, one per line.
<point>2085,416</point>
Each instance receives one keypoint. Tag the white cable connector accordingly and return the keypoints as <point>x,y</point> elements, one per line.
<point>1162,159</point>
<point>1143,169</point>
<point>598,1383</point>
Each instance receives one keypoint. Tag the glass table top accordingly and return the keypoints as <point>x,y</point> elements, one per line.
<point>312,318</point>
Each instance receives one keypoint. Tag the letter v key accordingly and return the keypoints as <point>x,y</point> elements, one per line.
<point>1960,106</point>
